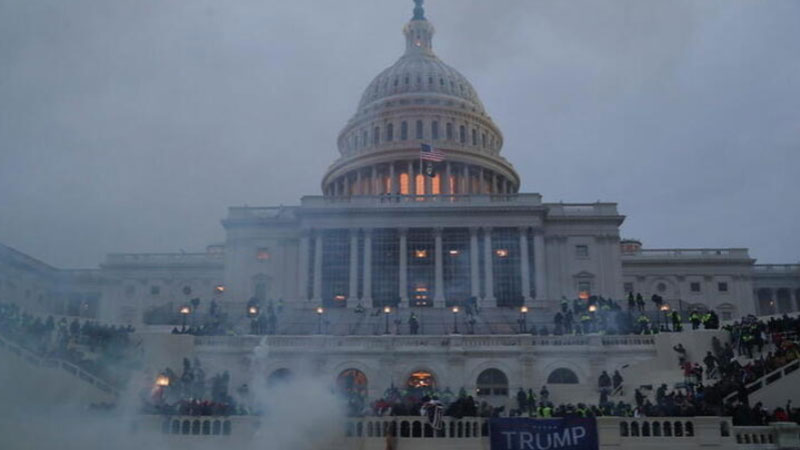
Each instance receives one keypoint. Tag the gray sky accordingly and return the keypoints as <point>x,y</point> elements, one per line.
<point>133,125</point>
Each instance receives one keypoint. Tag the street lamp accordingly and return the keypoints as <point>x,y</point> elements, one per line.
<point>455,319</point>
<point>665,309</point>
<point>184,311</point>
<point>320,312</point>
<point>162,381</point>
<point>252,313</point>
<point>523,319</point>
<point>386,311</point>
<point>592,308</point>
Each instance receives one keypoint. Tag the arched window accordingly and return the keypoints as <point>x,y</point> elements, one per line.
<point>492,382</point>
<point>364,138</point>
<point>462,134</point>
<point>389,132</point>
<point>562,376</point>
<point>435,130</point>
<point>474,137</point>
<point>419,129</point>
<point>449,131</point>
<point>483,140</point>
<point>279,376</point>
<point>352,382</point>
<point>376,136</point>
<point>404,131</point>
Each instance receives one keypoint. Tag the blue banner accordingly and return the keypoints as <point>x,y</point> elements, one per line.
<point>543,434</point>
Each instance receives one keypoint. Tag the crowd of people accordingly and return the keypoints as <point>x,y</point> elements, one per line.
<point>191,394</point>
<point>106,351</point>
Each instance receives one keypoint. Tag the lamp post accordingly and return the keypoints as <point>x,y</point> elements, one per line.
<point>665,309</point>
<point>523,320</point>
<point>455,319</point>
<point>184,311</point>
<point>252,313</point>
<point>386,311</point>
<point>320,312</point>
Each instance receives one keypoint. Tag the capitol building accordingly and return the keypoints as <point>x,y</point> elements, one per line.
<point>394,232</point>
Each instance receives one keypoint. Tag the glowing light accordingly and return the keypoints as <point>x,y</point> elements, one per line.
<point>454,252</point>
<point>421,253</point>
<point>455,309</point>
<point>219,289</point>
<point>262,254</point>
<point>524,310</point>
<point>583,295</point>
<point>162,380</point>
<point>320,310</point>
<point>501,253</point>
<point>387,309</point>
<point>253,310</point>
<point>340,298</point>
<point>185,310</point>
<point>664,307</point>
<point>592,308</point>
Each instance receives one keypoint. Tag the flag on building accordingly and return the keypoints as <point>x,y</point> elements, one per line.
<point>428,153</point>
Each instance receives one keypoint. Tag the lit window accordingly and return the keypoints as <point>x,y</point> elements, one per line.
<point>436,185</point>
<point>585,287</point>
<point>419,380</point>
<point>420,184</point>
<point>421,253</point>
<point>501,253</point>
<point>722,287</point>
<point>582,251</point>
<point>404,184</point>
<point>262,254</point>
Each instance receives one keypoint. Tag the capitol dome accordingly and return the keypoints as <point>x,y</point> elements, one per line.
<point>420,100</point>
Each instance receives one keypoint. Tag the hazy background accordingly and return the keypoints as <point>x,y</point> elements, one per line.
<point>132,125</point>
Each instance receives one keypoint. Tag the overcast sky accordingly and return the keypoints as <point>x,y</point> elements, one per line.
<point>131,125</point>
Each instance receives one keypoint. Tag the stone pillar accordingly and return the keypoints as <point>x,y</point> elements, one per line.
<point>493,190</point>
<point>367,268</point>
<point>352,297</point>
<point>489,299</point>
<point>303,268</point>
<point>403,278</point>
<point>474,270</point>
<point>318,267</point>
<point>347,192</point>
<point>480,182</point>
<point>392,180</point>
<point>438,297</point>
<point>373,188</point>
<point>540,271</point>
<point>359,186</point>
<point>412,179</point>
<point>446,181</point>
<point>465,180</point>
<point>525,265</point>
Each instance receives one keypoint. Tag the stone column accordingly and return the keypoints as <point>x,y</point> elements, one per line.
<point>539,268</point>
<point>480,182</point>
<point>392,180</point>
<point>412,181</point>
<point>438,297</point>
<point>465,180</point>
<point>403,278</point>
<point>359,186</point>
<point>525,265</point>
<point>367,268</point>
<point>493,190</point>
<point>474,270</point>
<point>489,299</point>
<point>347,192</point>
<point>318,267</point>
<point>303,268</point>
<point>446,181</point>
<point>352,297</point>
<point>373,188</point>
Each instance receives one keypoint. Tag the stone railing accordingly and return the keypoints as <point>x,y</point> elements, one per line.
<point>57,364</point>
<point>162,258</point>
<point>693,253</point>
<point>318,342</point>
<point>422,200</point>
<point>472,433</point>
<point>770,378</point>
<point>777,268</point>
<point>582,209</point>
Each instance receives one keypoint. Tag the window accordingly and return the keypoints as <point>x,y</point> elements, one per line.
<point>722,287</point>
<point>582,251</point>
<point>694,286</point>
<point>661,287</point>
<point>419,129</point>
<point>376,136</point>
<point>483,140</point>
<point>262,254</point>
<point>627,287</point>
<point>474,137</point>
<point>492,382</point>
<point>449,131</point>
<point>462,134</point>
<point>585,287</point>
<point>404,131</point>
<point>562,376</point>
<point>435,130</point>
<point>389,132</point>
<point>421,379</point>
<point>155,290</point>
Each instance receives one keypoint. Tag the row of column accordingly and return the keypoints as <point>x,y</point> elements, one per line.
<point>381,182</point>
<point>439,298</point>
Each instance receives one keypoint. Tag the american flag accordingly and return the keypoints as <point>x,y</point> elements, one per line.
<point>428,153</point>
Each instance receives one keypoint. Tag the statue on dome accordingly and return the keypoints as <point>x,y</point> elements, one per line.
<point>419,10</point>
